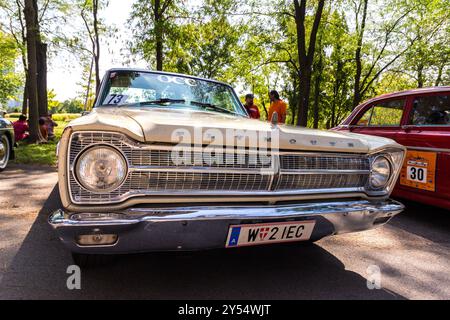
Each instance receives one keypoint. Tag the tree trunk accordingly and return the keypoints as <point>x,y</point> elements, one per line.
<point>317,99</point>
<point>30,20</point>
<point>303,105</point>
<point>357,86</point>
<point>420,77</point>
<point>88,90</point>
<point>25,95</point>
<point>42,78</point>
<point>97,46</point>
<point>158,33</point>
<point>318,71</point>
<point>305,56</point>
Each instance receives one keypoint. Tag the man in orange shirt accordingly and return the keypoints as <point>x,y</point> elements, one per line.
<point>277,105</point>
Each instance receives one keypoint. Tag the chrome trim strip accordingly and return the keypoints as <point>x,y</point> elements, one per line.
<point>302,172</point>
<point>200,170</point>
<point>428,149</point>
<point>136,215</point>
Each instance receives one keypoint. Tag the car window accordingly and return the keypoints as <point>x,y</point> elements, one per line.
<point>383,114</point>
<point>431,111</point>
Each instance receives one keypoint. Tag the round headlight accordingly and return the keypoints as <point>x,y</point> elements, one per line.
<point>101,169</point>
<point>380,173</point>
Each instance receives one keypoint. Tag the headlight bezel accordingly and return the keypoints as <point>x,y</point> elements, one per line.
<point>76,171</point>
<point>374,160</point>
<point>395,156</point>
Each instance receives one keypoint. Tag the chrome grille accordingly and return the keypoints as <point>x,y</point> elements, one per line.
<point>323,162</point>
<point>153,170</point>
<point>320,181</point>
<point>174,181</point>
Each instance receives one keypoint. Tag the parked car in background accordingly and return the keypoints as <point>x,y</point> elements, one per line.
<point>6,142</point>
<point>173,162</point>
<point>420,120</point>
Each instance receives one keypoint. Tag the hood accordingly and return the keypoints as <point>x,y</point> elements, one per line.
<point>161,125</point>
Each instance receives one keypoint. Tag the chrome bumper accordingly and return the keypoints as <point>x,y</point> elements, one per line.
<point>194,228</point>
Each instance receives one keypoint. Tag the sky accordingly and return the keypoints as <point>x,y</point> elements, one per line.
<point>63,78</point>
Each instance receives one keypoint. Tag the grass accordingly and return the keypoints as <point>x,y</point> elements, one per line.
<point>56,117</point>
<point>40,154</point>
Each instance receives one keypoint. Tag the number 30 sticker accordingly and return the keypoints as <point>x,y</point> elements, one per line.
<point>417,174</point>
<point>116,99</point>
<point>419,170</point>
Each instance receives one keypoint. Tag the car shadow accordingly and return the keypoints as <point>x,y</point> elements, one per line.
<point>419,219</point>
<point>293,271</point>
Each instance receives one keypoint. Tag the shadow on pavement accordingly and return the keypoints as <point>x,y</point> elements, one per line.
<point>419,219</point>
<point>295,271</point>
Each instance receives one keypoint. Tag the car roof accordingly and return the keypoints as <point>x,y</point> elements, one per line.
<point>168,73</point>
<point>408,93</point>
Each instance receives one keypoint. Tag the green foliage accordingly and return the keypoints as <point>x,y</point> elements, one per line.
<point>253,45</point>
<point>70,106</point>
<point>10,80</point>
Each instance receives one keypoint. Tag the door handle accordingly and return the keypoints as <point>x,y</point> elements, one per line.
<point>407,128</point>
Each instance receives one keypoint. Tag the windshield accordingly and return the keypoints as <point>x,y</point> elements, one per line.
<point>131,88</point>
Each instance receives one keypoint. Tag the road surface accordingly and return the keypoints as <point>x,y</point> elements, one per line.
<point>412,254</point>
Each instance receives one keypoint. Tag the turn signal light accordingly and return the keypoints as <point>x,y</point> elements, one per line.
<point>97,239</point>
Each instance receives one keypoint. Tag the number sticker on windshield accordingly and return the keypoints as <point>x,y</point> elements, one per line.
<point>116,99</point>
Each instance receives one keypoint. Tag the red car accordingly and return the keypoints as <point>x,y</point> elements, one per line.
<point>420,120</point>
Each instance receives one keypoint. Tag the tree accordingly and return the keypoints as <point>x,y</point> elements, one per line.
<point>15,24</point>
<point>305,55</point>
<point>428,33</point>
<point>10,80</point>
<point>152,23</point>
<point>32,37</point>
<point>208,49</point>
<point>385,46</point>
<point>89,14</point>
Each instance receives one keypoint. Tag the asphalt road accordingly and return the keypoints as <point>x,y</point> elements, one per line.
<point>412,253</point>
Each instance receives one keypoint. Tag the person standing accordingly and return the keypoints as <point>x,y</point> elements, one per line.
<point>250,106</point>
<point>277,105</point>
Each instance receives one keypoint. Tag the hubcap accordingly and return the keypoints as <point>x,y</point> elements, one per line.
<point>3,152</point>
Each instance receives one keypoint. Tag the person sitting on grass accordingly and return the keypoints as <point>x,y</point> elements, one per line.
<point>21,128</point>
<point>43,129</point>
<point>50,126</point>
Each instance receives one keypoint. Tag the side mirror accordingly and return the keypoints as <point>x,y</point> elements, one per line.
<point>85,113</point>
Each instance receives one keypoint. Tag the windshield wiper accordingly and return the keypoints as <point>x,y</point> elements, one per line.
<point>161,101</point>
<point>146,103</point>
<point>211,106</point>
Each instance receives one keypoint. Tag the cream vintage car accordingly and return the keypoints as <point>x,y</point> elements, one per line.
<point>173,162</point>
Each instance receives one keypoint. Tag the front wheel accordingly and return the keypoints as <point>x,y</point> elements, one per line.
<point>5,151</point>
<point>91,260</point>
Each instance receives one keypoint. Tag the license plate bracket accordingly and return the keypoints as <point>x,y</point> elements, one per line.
<point>267,233</point>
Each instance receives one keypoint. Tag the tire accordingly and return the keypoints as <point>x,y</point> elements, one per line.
<point>5,151</point>
<point>87,261</point>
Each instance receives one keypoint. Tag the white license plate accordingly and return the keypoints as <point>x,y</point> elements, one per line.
<point>265,233</point>
<point>417,174</point>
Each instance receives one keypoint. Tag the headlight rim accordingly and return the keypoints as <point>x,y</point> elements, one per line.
<point>384,188</point>
<point>76,163</point>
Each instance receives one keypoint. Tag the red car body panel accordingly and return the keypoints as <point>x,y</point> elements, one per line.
<point>429,138</point>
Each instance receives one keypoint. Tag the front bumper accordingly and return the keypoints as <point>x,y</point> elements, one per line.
<point>194,228</point>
